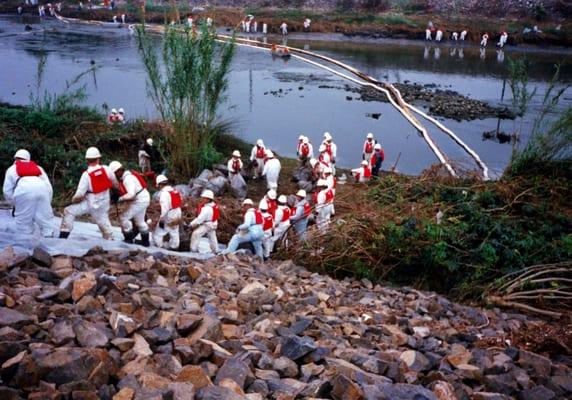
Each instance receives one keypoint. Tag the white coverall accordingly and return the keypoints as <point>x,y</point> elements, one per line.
<point>333,155</point>
<point>503,39</point>
<point>95,204</point>
<point>171,218</point>
<point>204,225</point>
<point>428,34</point>
<point>310,151</point>
<point>484,40</point>
<point>284,28</point>
<point>248,231</point>
<point>138,199</point>
<point>144,161</point>
<point>439,35</point>
<point>366,155</point>
<point>231,170</point>
<point>272,172</point>
<point>324,211</point>
<point>463,35</point>
<point>259,160</point>
<point>31,196</point>
<point>280,227</point>
<point>455,36</point>
<point>267,235</point>
<point>264,28</point>
<point>359,174</point>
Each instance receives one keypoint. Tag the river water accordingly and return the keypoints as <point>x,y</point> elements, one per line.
<point>278,100</point>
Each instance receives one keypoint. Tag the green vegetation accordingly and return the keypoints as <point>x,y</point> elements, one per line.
<point>487,230</point>
<point>187,82</point>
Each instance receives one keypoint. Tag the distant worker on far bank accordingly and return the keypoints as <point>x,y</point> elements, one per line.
<point>484,40</point>
<point>502,40</point>
<point>148,157</point>
<point>455,36</point>
<point>428,34</point>
<point>284,28</point>
<point>307,23</point>
<point>439,35</point>
<point>28,189</point>
<point>463,35</point>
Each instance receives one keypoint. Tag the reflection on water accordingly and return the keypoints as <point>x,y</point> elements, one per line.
<point>279,99</point>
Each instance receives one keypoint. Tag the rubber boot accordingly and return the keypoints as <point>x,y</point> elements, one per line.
<point>128,237</point>
<point>144,240</point>
<point>64,235</point>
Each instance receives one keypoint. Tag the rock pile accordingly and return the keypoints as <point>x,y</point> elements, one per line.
<point>129,325</point>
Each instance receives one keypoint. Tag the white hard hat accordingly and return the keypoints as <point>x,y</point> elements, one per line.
<point>282,199</point>
<point>263,205</point>
<point>301,193</point>
<point>377,146</point>
<point>23,155</point>
<point>313,162</point>
<point>92,153</point>
<point>272,194</point>
<point>301,137</point>
<point>115,166</point>
<point>370,135</point>
<point>259,143</point>
<point>149,142</point>
<point>322,148</point>
<point>328,170</point>
<point>236,153</point>
<point>305,140</point>
<point>364,163</point>
<point>113,111</point>
<point>321,182</point>
<point>161,179</point>
<point>247,202</point>
<point>121,111</point>
<point>208,194</point>
<point>269,154</point>
<point>327,136</point>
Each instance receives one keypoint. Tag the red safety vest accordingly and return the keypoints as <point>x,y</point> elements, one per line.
<point>321,159</point>
<point>268,222</point>
<point>27,168</point>
<point>374,157</point>
<point>285,213</point>
<point>369,146</point>
<point>329,149</point>
<point>176,199</point>
<point>260,152</point>
<point>258,219</point>
<point>216,211</point>
<point>305,149</point>
<point>142,182</point>
<point>272,206</point>
<point>329,196</point>
<point>307,209</point>
<point>366,172</point>
<point>100,182</point>
<point>236,165</point>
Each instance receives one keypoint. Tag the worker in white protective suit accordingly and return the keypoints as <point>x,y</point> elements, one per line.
<point>368,145</point>
<point>502,40</point>
<point>267,228</point>
<point>258,154</point>
<point>439,35</point>
<point>300,215</point>
<point>305,150</point>
<point>484,40</point>
<point>206,222</point>
<point>323,201</point>
<point>284,28</point>
<point>463,35</point>
<point>271,170</point>
<point>281,220</point>
<point>249,231</point>
<point>455,36</point>
<point>234,165</point>
<point>363,173</point>
<point>28,189</point>
<point>331,149</point>
<point>91,196</point>
<point>171,202</point>
<point>132,191</point>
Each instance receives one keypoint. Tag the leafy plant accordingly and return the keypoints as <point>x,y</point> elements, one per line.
<point>187,82</point>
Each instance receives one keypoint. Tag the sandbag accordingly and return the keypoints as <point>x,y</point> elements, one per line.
<point>306,185</point>
<point>206,174</point>
<point>302,174</point>
<point>184,190</point>
<point>238,186</point>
